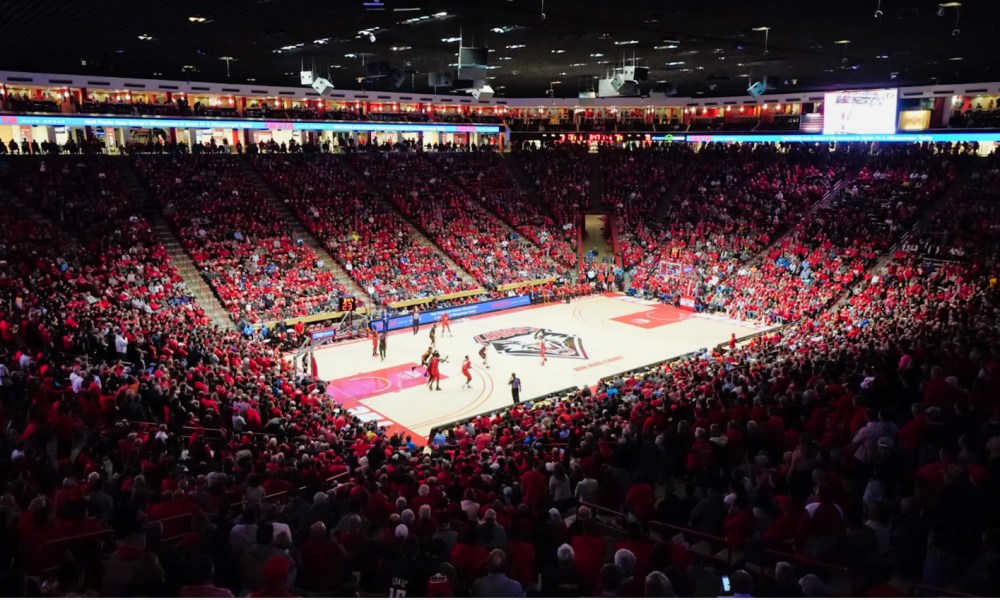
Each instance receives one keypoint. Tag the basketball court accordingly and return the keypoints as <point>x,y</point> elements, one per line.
<point>585,340</point>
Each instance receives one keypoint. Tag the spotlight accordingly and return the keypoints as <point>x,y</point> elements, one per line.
<point>371,37</point>
<point>878,14</point>
<point>956,31</point>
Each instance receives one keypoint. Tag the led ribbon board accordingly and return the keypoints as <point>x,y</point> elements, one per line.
<point>908,138</point>
<point>68,121</point>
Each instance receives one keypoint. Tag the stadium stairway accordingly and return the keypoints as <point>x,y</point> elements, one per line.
<point>417,234</point>
<point>593,237</point>
<point>964,177</point>
<point>521,178</point>
<point>942,203</point>
<point>299,231</point>
<point>664,203</point>
<point>561,269</point>
<point>596,187</point>
<point>824,201</point>
<point>193,280</point>
<point>529,187</point>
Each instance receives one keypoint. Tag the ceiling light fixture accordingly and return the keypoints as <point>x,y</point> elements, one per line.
<point>197,19</point>
<point>626,43</point>
<point>228,60</point>
<point>767,34</point>
<point>843,43</point>
<point>145,37</point>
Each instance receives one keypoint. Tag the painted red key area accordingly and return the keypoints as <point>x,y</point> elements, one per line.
<point>654,317</point>
<point>352,391</point>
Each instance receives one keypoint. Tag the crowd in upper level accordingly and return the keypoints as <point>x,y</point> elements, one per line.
<point>362,231</point>
<point>240,241</point>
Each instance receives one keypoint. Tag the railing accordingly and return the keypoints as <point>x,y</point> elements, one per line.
<point>175,527</point>
<point>730,560</point>
<point>36,563</point>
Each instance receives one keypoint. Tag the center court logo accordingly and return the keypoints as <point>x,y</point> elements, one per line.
<point>524,341</point>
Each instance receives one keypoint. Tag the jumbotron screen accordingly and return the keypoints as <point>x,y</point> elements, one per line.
<point>863,112</point>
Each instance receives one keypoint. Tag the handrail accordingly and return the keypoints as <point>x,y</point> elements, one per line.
<point>778,555</point>
<point>941,591</point>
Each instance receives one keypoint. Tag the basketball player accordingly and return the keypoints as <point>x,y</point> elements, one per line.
<point>541,348</point>
<point>424,359</point>
<point>433,334</point>
<point>374,336</point>
<point>466,366</point>
<point>434,372</point>
<point>381,344</point>
<point>482,354</point>
<point>416,320</point>
<point>445,324</point>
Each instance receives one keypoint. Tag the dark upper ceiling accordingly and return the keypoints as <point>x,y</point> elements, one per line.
<point>704,47</point>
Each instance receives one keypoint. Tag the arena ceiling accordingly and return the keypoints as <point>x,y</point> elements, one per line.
<point>702,48</point>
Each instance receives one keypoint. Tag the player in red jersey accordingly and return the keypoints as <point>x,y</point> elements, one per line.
<point>466,365</point>
<point>434,372</point>
<point>541,348</point>
<point>374,336</point>
<point>445,324</point>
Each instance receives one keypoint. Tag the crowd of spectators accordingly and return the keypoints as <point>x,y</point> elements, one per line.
<point>635,181</point>
<point>732,203</point>
<point>485,176</point>
<point>560,175</point>
<point>855,453</point>
<point>473,237</point>
<point>866,437</point>
<point>360,229</point>
<point>240,242</point>
<point>831,246</point>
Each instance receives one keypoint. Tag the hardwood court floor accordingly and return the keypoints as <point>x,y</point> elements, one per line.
<point>586,340</point>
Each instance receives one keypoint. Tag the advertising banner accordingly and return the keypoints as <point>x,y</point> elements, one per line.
<point>456,312</point>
